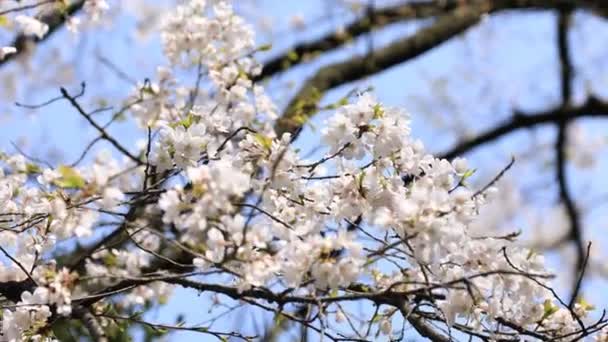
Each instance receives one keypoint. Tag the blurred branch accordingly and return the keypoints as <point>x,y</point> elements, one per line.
<point>54,20</point>
<point>26,7</point>
<point>592,108</point>
<point>304,104</point>
<point>563,23</point>
<point>372,20</point>
<point>377,19</point>
<point>462,17</point>
<point>90,322</point>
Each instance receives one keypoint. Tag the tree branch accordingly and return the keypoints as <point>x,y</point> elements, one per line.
<point>91,324</point>
<point>372,20</point>
<point>54,20</point>
<point>426,330</point>
<point>561,143</point>
<point>592,108</point>
<point>304,104</point>
<point>102,132</point>
<point>380,18</point>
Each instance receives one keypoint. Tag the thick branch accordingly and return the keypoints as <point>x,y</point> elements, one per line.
<point>54,20</point>
<point>592,108</point>
<point>12,290</point>
<point>305,102</point>
<point>426,330</point>
<point>563,22</point>
<point>370,21</point>
<point>91,324</point>
<point>566,69</point>
<point>419,324</point>
<point>377,19</point>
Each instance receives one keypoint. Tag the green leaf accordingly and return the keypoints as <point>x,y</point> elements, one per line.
<point>343,101</point>
<point>300,119</point>
<point>293,56</point>
<point>63,7</point>
<point>110,260</point>
<point>147,89</point>
<point>31,168</point>
<point>265,47</point>
<point>162,331</point>
<point>468,174</point>
<point>359,179</point>
<point>120,117</point>
<point>3,21</point>
<point>549,308</point>
<point>265,141</point>
<point>585,305</point>
<point>101,102</point>
<point>278,320</point>
<point>185,122</point>
<point>70,178</point>
<point>136,314</point>
<point>378,111</point>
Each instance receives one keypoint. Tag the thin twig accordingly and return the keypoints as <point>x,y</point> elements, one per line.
<point>100,129</point>
<point>495,179</point>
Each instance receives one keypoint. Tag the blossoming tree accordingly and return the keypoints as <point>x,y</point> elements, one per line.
<point>217,199</point>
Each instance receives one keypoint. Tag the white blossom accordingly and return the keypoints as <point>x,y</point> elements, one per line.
<point>7,50</point>
<point>32,26</point>
<point>219,187</point>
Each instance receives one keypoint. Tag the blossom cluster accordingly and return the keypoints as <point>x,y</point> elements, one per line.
<point>32,25</point>
<point>217,181</point>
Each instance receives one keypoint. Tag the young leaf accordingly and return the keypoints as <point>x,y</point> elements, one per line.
<point>70,178</point>
<point>265,141</point>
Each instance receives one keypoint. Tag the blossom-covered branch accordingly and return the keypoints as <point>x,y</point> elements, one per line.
<point>217,201</point>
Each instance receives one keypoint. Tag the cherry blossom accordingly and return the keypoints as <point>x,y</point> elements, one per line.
<point>216,190</point>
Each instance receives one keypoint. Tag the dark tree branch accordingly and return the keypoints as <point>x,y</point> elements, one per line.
<point>422,327</point>
<point>563,23</point>
<point>372,20</point>
<point>96,331</point>
<point>12,290</point>
<point>305,102</point>
<point>382,17</point>
<point>495,179</point>
<point>592,108</point>
<point>102,132</point>
<point>55,20</point>
<point>16,262</point>
<point>26,7</point>
<point>581,276</point>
